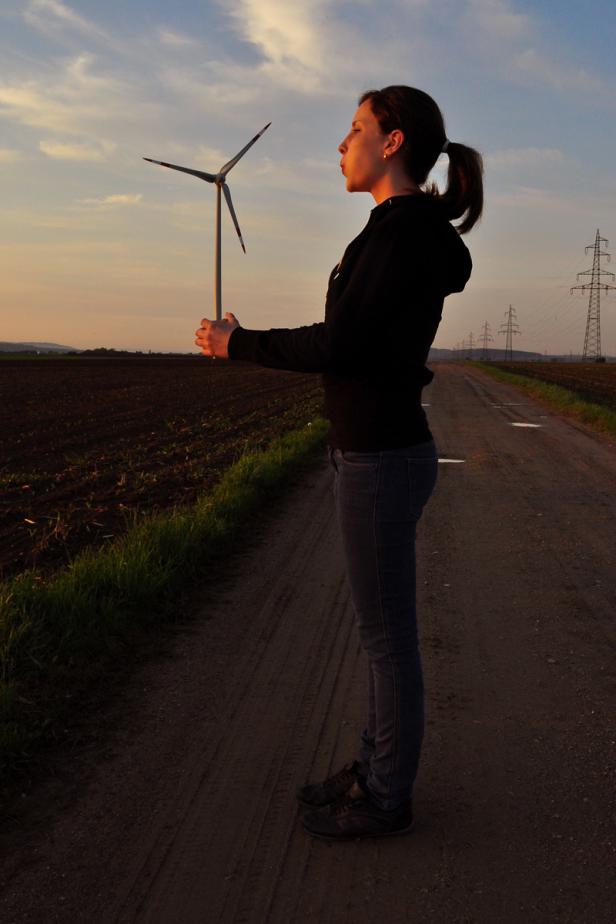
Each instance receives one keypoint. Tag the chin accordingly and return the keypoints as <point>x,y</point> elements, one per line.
<point>356,185</point>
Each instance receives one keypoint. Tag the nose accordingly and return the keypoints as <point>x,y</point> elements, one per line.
<point>342,146</point>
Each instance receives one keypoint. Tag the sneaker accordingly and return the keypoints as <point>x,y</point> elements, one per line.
<point>319,794</point>
<point>356,815</point>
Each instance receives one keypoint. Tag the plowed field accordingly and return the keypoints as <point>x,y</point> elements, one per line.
<point>594,382</point>
<point>89,442</point>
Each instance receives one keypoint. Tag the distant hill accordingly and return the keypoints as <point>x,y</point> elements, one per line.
<point>496,355</point>
<point>36,348</point>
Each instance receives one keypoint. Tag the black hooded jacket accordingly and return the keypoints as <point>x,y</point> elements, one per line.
<point>383,307</point>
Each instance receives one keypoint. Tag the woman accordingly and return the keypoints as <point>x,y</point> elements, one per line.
<point>382,311</point>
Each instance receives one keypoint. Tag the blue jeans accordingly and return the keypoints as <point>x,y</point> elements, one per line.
<point>379,499</point>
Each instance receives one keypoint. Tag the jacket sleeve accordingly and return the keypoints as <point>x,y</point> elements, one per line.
<point>299,349</point>
<point>362,331</point>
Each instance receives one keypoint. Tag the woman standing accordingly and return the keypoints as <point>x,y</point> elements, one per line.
<point>383,307</point>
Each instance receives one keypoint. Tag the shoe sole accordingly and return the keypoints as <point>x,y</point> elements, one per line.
<point>319,805</point>
<point>358,837</point>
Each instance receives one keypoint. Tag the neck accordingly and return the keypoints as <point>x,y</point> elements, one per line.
<point>393,183</point>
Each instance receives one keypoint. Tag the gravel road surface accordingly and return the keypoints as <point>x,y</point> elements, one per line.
<point>180,808</point>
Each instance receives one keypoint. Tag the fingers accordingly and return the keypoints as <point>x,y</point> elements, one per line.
<point>208,337</point>
<point>213,336</point>
<point>204,338</point>
<point>229,316</point>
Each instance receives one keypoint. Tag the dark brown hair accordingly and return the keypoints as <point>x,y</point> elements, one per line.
<point>420,120</point>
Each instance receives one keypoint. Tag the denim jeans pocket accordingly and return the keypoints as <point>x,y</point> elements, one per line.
<point>368,461</point>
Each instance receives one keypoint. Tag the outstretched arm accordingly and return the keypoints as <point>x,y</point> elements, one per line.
<point>380,320</point>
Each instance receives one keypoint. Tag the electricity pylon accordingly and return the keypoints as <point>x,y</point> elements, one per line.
<point>510,329</point>
<point>485,336</point>
<point>592,340</point>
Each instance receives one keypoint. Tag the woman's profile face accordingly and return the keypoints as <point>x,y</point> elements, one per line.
<point>362,151</point>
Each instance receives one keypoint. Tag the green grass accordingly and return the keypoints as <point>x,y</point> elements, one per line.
<point>57,635</point>
<point>9,479</point>
<point>597,416</point>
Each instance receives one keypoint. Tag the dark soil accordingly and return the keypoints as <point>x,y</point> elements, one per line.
<point>595,382</point>
<point>88,443</point>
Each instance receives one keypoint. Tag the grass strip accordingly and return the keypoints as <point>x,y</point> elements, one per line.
<point>57,635</point>
<point>597,416</point>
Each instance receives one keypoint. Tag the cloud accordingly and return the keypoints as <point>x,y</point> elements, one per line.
<point>537,65</point>
<point>218,83</point>
<point>113,200</point>
<point>168,37</point>
<point>295,39</point>
<point>498,19</point>
<point>512,42</point>
<point>82,109</point>
<point>66,104</point>
<point>319,175</point>
<point>313,47</point>
<point>9,155</point>
<point>284,32</point>
<point>534,198</point>
<point>523,157</point>
<point>60,151</point>
<point>51,15</point>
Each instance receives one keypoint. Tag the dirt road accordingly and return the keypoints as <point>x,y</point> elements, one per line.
<point>183,808</point>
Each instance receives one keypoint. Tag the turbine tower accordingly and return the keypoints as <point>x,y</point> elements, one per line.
<point>592,340</point>
<point>220,181</point>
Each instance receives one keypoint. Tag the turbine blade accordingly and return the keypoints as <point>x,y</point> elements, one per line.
<point>210,177</point>
<point>225,169</point>
<point>227,193</point>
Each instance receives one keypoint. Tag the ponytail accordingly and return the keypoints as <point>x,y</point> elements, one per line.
<point>464,193</point>
<point>419,118</point>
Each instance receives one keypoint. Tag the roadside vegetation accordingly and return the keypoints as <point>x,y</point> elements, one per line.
<point>593,402</point>
<point>61,633</point>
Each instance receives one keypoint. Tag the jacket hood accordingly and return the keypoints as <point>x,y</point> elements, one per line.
<point>435,242</point>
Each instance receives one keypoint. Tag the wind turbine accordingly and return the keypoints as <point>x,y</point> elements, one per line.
<point>220,180</point>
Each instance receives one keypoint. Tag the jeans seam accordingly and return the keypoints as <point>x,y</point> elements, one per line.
<point>386,634</point>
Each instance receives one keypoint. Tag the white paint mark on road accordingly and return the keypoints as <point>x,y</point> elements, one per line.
<point>426,405</point>
<point>452,460</point>
<point>526,425</point>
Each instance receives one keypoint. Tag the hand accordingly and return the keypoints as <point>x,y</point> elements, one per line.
<point>213,336</point>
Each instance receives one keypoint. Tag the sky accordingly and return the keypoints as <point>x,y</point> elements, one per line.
<point>100,248</point>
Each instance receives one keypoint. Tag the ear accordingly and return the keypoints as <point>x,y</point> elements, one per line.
<point>396,140</point>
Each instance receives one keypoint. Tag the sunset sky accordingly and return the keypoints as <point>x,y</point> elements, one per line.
<point>100,248</point>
